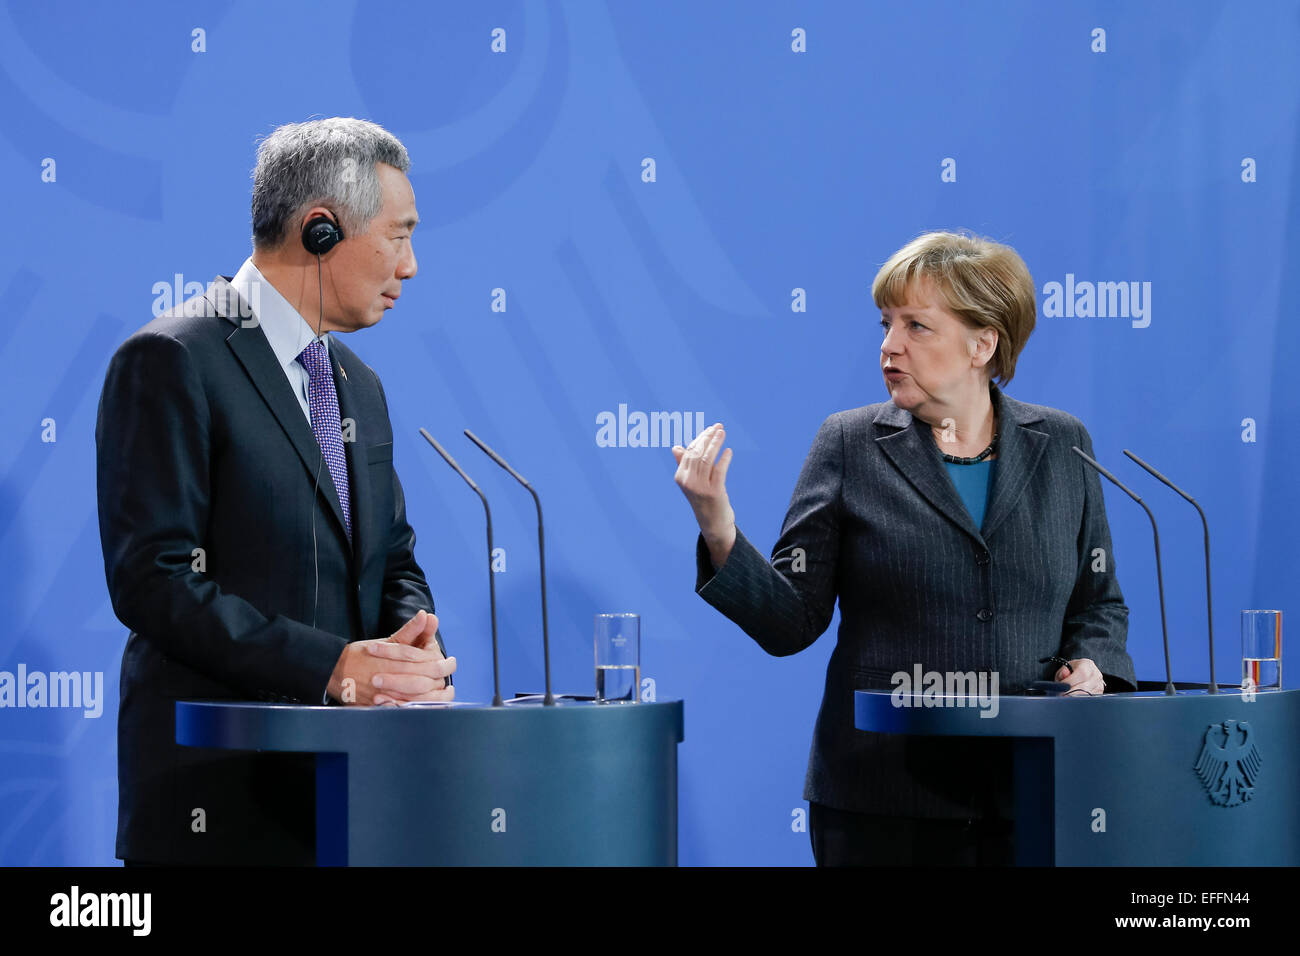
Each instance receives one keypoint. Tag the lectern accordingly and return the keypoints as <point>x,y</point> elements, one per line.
<point>466,784</point>
<point>1137,779</point>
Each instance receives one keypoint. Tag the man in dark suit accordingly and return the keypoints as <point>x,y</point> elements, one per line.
<point>254,531</point>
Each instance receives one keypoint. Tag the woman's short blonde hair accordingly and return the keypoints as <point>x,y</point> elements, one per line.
<point>984,282</point>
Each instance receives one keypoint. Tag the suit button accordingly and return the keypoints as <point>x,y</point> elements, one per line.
<point>984,614</point>
<point>981,558</point>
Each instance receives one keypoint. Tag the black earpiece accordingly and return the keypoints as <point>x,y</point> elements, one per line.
<point>320,234</point>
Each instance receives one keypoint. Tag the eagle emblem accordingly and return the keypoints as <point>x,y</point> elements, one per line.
<point>1229,763</point>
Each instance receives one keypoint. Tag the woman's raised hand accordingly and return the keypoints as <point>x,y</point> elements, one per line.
<point>702,476</point>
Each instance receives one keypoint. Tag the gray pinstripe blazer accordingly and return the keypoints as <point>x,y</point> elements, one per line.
<point>884,530</point>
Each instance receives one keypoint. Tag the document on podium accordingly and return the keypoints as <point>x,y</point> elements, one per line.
<point>436,703</point>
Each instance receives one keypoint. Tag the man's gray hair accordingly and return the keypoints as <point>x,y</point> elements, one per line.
<point>326,162</point>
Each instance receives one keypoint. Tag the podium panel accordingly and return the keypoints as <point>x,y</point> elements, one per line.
<point>1137,779</point>
<point>473,785</point>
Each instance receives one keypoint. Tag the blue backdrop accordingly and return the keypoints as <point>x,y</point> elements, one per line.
<point>649,184</point>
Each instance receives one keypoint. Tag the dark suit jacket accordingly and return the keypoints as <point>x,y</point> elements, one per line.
<point>201,444</point>
<point>883,529</point>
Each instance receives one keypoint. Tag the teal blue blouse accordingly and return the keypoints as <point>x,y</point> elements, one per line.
<point>973,483</point>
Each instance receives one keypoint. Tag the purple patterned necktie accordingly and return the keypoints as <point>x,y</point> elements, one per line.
<point>324,401</point>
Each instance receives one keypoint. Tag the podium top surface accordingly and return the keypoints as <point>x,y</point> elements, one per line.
<point>250,725</point>
<point>886,711</point>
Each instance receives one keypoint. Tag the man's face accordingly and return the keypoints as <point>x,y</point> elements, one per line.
<point>364,273</point>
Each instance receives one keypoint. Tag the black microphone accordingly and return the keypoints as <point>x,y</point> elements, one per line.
<point>492,584</point>
<point>549,700</point>
<point>1160,580</point>
<point>1209,607</point>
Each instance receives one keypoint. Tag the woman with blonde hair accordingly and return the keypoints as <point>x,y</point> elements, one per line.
<point>957,531</point>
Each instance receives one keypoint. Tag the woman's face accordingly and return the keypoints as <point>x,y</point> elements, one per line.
<point>930,358</point>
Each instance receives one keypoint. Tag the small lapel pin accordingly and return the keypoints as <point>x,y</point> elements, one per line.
<point>343,372</point>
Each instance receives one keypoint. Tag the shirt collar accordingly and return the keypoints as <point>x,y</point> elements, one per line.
<point>284,327</point>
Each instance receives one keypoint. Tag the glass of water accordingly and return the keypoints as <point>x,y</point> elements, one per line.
<point>618,658</point>
<point>1261,649</point>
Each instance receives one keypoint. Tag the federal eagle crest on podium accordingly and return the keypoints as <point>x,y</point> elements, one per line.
<point>1229,763</point>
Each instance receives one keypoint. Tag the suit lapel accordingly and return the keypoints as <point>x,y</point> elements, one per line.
<point>254,352</point>
<point>1020,451</point>
<point>912,450</point>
